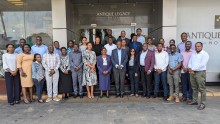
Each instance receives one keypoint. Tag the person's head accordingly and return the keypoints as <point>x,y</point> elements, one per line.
<point>159,47</point>
<point>38,40</point>
<point>123,43</point>
<point>56,44</point>
<point>118,44</point>
<point>149,40</point>
<point>134,38</point>
<point>131,36</point>
<point>84,40</point>
<point>110,40</point>
<point>63,50</point>
<point>123,33</point>
<point>162,41</point>
<point>144,47</point>
<point>139,31</point>
<point>173,48</point>
<point>71,43</point>
<point>89,46</point>
<point>172,41</point>
<point>104,51</point>
<point>76,47</point>
<point>184,36</point>
<point>132,52</point>
<point>37,57</point>
<point>97,40</point>
<point>10,48</point>
<point>199,46</point>
<point>22,42</point>
<point>50,48</point>
<point>188,45</point>
<point>26,48</point>
<point>109,31</point>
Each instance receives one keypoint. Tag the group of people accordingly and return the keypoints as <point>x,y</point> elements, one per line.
<point>67,70</point>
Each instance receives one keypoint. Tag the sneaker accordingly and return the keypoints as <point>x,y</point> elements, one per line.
<point>48,99</point>
<point>56,99</point>
<point>171,98</point>
<point>201,106</point>
<point>177,100</point>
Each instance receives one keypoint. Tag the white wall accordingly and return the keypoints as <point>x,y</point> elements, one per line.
<point>199,16</point>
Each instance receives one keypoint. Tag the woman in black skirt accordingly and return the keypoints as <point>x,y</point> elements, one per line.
<point>65,81</point>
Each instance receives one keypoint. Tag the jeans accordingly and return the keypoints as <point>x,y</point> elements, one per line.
<point>133,80</point>
<point>13,87</point>
<point>173,80</point>
<point>39,87</point>
<point>186,86</point>
<point>163,78</point>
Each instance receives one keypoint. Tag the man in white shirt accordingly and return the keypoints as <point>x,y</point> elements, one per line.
<point>140,38</point>
<point>160,74</point>
<point>197,69</point>
<point>110,46</point>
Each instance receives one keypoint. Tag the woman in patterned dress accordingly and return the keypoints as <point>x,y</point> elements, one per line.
<point>89,70</point>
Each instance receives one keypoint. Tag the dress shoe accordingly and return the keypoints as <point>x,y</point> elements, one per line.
<point>192,103</point>
<point>81,96</point>
<point>11,104</point>
<point>148,97</point>
<point>154,96</point>
<point>74,96</point>
<point>183,99</point>
<point>144,95</point>
<point>122,96</point>
<point>201,106</point>
<point>117,95</point>
<point>165,98</point>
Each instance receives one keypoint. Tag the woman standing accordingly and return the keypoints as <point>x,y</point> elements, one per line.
<point>89,73</point>
<point>104,65</point>
<point>38,76</point>
<point>150,44</point>
<point>133,72</point>
<point>12,77</point>
<point>83,46</point>
<point>65,81</point>
<point>24,64</point>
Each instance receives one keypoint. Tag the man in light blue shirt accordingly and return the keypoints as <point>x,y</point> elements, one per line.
<point>18,50</point>
<point>39,47</point>
<point>140,38</point>
<point>57,47</point>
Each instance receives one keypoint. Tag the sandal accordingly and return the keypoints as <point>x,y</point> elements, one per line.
<point>26,101</point>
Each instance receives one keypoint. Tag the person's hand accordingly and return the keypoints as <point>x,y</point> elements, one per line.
<point>191,71</point>
<point>159,71</point>
<point>126,74</point>
<point>135,74</point>
<point>23,74</point>
<point>170,71</point>
<point>92,70</point>
<point>13,73</point>
<point>185,70</point>
<point>66,72</point>
<point>148,72</point>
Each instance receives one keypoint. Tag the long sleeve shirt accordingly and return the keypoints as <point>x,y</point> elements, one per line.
<point>198,61</point>
<point>37,71</point>
<point>161,60</point>
<point>64,63</point>
<point>75,59</point>
<point>9,61</point>
<point>51,61</point>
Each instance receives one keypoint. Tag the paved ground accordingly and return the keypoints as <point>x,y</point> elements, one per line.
<point>110,111</point>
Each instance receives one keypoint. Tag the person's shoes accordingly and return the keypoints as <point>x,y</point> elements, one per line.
<point>48,99</point>
<point>74,96</point>
<point>32,100</point>
<point>192,103</point>
<point>132,94</point>
<point>183,99</point>
<point>177,100</point>
<point>117,95</point>
<point>56,99</point>
<point>17,102</point>
<point>107,96</point>
<point>11,104</point>
<point>80,96</point>
<point>144,95</point>
<point>148,97</point>
<point>165,98</point>
<point>100,96</point>
<point>201,106</point>
<point>171,98</point>
<point>40,101</point>
<point>122,96</point>
<point>154,96</point>
<point>136,95</point>
<point>26,101</point>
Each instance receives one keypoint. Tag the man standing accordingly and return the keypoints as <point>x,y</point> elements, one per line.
<point>76,64</point>
<point>119,60</point>
<point>51,63</point>
<point>197,69</point>
<point>147,61</point>
<point>39,47</point>
<point>105,40</point>
<point>185,77</point>
<point>137,46</point>
<point>57,47</point>
<point>181,46</point>
<point>140,38</point>
<point>18,50</point>
<point>122,37</point>
<point>164,47</point>
<point>110,46</point>
<point>175,63</point>
<point>70,46</point>
<point>160,74</point>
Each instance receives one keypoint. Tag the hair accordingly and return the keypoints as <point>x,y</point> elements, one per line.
<point>62,48</point>
<point>123,31</point>
<point>172,45</point>
<point>26,45</point>
<point>135,54</point>
<point>39,37</point>
<point>118,41</point>
<point>189,42</point>
<point>161,39</point>
<point>35,56</point>
<point>103,48</point>
<point>139,29</point>
<point>159,44</point>
<point>184,33</point>
<point>71,41</point>
<point>84,37</point>
<point>199,43</point>
<point>149,38</point>
<point>23,40</point>
<point>173,40</point>
<point>9,45</point>
<point>98,38</point>
<point>76,45</point>
<point>56,41</point>
<point>110,37</point>
<point>124,40</point>
<point>134,35</point>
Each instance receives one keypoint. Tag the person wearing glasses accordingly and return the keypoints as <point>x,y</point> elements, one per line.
<point>39,47</point>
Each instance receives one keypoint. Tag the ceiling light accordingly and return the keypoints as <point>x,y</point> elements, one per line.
<point>14,0</point>
<point>20,4</point>
<point>17,2</point>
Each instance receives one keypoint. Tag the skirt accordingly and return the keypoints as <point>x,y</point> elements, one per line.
<point>65,83</point>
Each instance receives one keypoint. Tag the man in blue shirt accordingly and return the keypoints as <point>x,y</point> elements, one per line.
<point>175,63</point>
<point>18,50</point>
<point>57,47</point>
<point>39,47</point>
